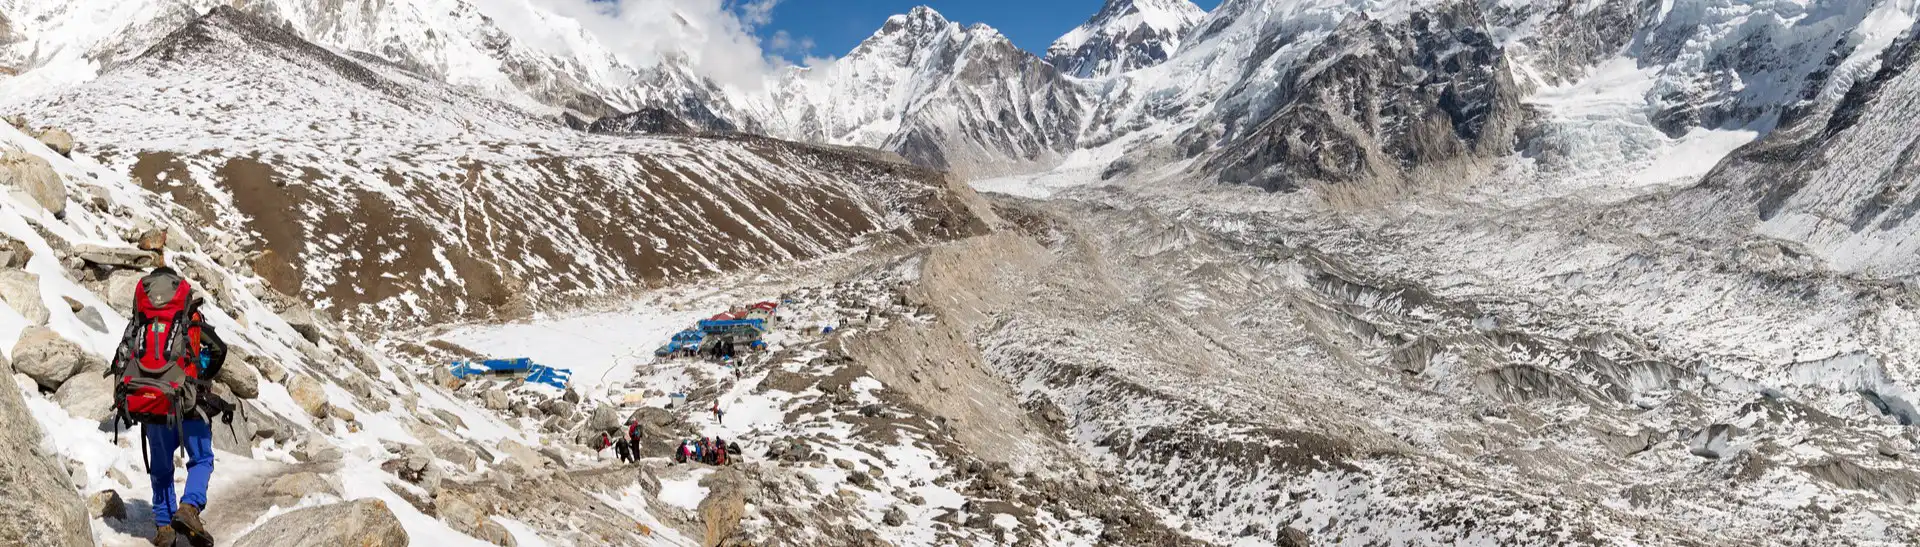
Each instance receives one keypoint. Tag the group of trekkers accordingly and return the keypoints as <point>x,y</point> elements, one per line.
<point>626,444</point>
<point>708,450</point>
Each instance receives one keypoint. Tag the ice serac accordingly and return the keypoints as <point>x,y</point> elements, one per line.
<point>940,94</point>
<point>1124,35</point>
<point>1839,180</point>
<point>380,193</point>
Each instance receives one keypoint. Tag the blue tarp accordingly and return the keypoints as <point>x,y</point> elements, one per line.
<point>534,372</point>
<point>556,377</point>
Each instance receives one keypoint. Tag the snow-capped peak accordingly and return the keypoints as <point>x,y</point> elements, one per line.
<point>920,19</point>
<point>1123,36</point>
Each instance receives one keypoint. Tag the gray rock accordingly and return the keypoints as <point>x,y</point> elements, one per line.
<point>1293,537</point>
<point>361,523</point>
<point>453,421</point>
<point>446,449</point>
<point>520,457</point>
<point>119,290</point>
<point>47,357</point>
<point>115,257</point>
<point>39,507</point>
<point>36,178</point>
<point>303,321</point>
<point>240,377</point>
<point>21,291</point>
<point>58,140</point>
<point>107,504</point>
<point>443,377</point>
<point>14,253</point>
<point>605,418</point>
<point>469,516</point>
<point>270,370</point>
<point>299,485</point>
<point>496,399</point>
<point>317,449</point>
<point>308,393</point>
<point>724,506</point>
<point>420,466</point>
<point>92,319</point>
<point>557,408</point>
<point>894,517</point>
<point>87,396</point>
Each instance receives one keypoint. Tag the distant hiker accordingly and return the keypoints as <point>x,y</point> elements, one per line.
<point>623,449</point>
<point>680,456</point>
<point>166,361</point>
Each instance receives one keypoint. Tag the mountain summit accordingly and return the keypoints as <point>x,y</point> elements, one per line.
<point>1125,35</point>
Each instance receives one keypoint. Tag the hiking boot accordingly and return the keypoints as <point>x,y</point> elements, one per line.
<point>163,537</point>
<point>187,522</point>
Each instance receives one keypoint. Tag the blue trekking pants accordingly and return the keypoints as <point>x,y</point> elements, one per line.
<point>161,442</point>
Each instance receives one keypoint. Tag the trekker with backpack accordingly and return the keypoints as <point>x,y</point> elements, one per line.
<point>165,363</point>
<point>633,438</point>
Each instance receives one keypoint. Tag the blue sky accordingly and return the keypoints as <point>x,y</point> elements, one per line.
<point>833,27</point>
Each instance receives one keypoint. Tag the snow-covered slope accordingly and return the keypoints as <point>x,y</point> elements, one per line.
<point>1124,35</point>
<point>517,51</point>
<point>377,193</point>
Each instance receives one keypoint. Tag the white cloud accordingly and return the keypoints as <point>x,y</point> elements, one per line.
<point>715,36</point>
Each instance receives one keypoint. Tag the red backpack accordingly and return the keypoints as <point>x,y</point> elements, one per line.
<point>159,357</point>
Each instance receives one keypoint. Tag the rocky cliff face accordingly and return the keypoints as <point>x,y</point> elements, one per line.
<point>1379,100</point>
<point>1124,35</point>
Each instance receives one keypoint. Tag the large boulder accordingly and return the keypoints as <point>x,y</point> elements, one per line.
<point>21,291</point>
<point>31,175</point>
<point>58,140</point>
<point>119,290</point>
<point>497,400</point>
<point>115,257</point>
<point>361,523</point>
<point>47,357</point>
<point>469,515</point>
<point>14,253</point>
<point>444,448</point>
<point>724,507</point>
<point>303,321</point>
<point>317,449</point>
<point>87,396</point>
<point>40,506</point>
<point>240,377</point>
<point>605,418</point>
<point>311,397</point>
<point>522,458</point>
<point>443,377</point>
